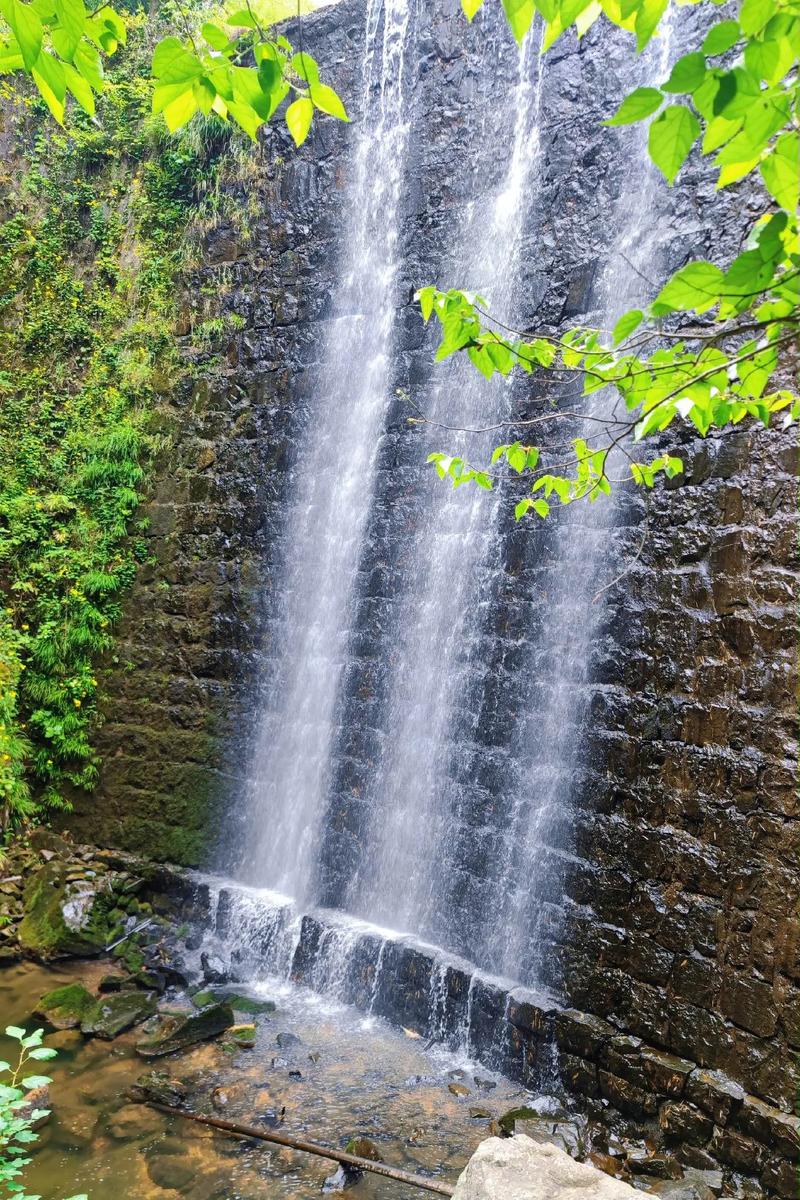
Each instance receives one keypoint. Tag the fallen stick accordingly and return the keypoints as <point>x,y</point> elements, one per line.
<point>282,1139</point>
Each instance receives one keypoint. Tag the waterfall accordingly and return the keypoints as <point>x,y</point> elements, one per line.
<point>330,484</point>
<point>581,561</point>
<point>450,569</point>
<point>419,775</point>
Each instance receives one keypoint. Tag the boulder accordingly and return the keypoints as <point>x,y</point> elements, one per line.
<point>115,1013</point>
<point>167,1032</point>
<point>517,1168</point>
<point>65,1007</point>
<point>64,916</point>
<point>44,839</point>
<point>239,1003</point>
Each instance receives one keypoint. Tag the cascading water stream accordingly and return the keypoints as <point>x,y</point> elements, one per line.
<point>330,484</point>
<point>547,737</point>
<point>449,576</point>
<point>415,817</point>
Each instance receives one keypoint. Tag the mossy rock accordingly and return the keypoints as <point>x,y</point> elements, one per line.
<point>65,1007</point>
<point>240,1004</point>
<point>168,1032</point>
<point>243,1036</point>
<point>112,1015</point>
<point>64,918</point>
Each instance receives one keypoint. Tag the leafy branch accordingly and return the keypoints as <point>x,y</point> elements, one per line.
<point>742,102</point>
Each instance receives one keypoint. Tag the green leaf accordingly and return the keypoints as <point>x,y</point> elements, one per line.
<point>36,1081</point>
<point>173,63</point>
<point>306,67</point>
<point>14,1031</point>
<point>627,323</point>
<point>648,16</point>
<point>245,117</point>
<point>721,37</point>
<point>165,93</point>
<point>687,74</point>
<point>326,100</point>
<point>242,19</point>
<point>48,75</point>
<point>72,23</point>
<point>541,507</point>
<point>181,110</point>
<point>780,171</point>
<point>694,287</point>
<point>520,14</point>
<point>754,14</point>
<point>79,88</point>
<point>26,27</point>
<point>298,118</point>
<point>42,1053</point>
<point>638,105</point>
<point>425,298</point>
<point>471,7</point>
<point>216,37</point>
<point>89,66</point>
<point>205,94</point>
<point>671,137</point>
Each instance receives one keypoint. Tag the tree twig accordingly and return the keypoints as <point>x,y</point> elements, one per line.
<point>282,1139</point>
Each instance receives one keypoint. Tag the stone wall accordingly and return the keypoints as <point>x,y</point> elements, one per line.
<point>677,920</point>
<point>177,696</point>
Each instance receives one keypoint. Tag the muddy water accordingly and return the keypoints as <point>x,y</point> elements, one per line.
<point>357,1076</point>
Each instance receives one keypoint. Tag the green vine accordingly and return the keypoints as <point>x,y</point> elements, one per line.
<point>89,262</point>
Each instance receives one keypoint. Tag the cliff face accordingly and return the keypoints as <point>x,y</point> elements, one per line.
<point>674,916</point>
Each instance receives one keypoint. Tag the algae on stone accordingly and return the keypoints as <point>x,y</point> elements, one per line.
<point>168,1031</point>
<point>63,917</point>
<point>65,1007</point>
<point>113,1014</point>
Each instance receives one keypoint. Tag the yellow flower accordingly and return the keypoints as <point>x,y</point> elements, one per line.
<point>76,702</point>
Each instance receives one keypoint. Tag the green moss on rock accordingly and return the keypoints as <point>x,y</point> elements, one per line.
<point>65,1007</point>
<point>64,917</point>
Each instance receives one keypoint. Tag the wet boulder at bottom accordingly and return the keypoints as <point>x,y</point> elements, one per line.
<point>65,1007</point>
<point>170,1031</point>
<point>518,1168</point>
<point>115,1013</point>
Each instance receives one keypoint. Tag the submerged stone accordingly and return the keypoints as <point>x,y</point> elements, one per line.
<point>509,1119</point>
<point>168,1032</point>
<point>364,1147</point>
<point>65,1007</point>
<point>161,1087</point>
<point>170,1171</point>
<point>114,1014</point>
